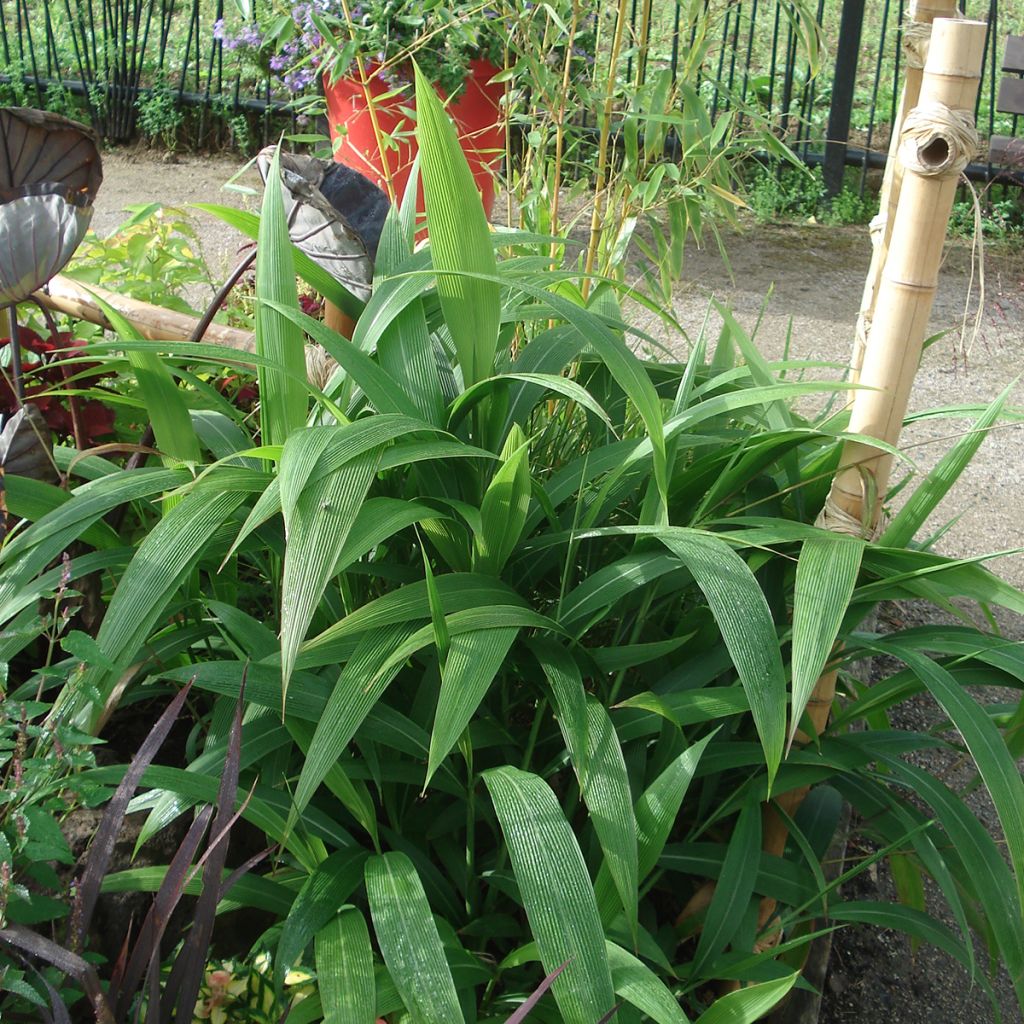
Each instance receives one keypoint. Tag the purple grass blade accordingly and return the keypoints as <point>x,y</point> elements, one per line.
<point>611,1013</point>
<point>155,924</point>
<point>102,849</point>
<point>187,973</point>
<point>520,1015</point>
<point>241,872</point>
<point>26,941</point>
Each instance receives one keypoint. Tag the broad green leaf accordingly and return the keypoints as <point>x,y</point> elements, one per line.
<point>936,485</point>
<point>734,890</point>
<point>317,903</point>
<point>344,970</point>
<point>473,660</point>
<point>283,400</point>
<point>503,510</point>
<point>408,940</point>
<point>161,563</point>
<point>316,531</point>
<point>986,744</point>
<point>637,983</point>
<point>742,614</point>
<point>556,892</point>
<point>826,574</point>
<point>604,784</point>
<point>747,1005</point>
<point>459,238</point>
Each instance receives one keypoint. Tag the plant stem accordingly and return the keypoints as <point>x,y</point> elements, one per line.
<point>556,183</point>
<point>602,151</point>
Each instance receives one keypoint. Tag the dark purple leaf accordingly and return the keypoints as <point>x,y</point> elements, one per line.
<point>520,1015</point>
<point>102,848</point>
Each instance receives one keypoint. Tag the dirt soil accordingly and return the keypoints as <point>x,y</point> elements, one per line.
<point>815,275</point>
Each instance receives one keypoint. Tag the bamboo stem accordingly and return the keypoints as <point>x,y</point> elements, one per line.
<point>905,293</point>
<point>602,153</point>
<point>922,14</point>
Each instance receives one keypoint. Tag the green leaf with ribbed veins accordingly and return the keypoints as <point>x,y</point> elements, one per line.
<point>316,532</point>
<point>161,563</point>
<point>319,899</point>
<point>459,238</point>
<point>826,574</point>
<point>282,392</point>
<point>734,891</point>
<point>473,660</point>
<point>639,985</point>
<point>409,942</point>
<point>344,970</point>
<point>749,1004</point>
<point>503,510</point>
<point>556,892</point>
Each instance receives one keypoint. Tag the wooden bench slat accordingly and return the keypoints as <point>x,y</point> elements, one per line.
<point>1006,151</point>
<point>1011,96</point>
<point>1013,55</point>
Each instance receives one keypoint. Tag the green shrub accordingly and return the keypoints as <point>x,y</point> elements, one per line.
<point>521,624</point>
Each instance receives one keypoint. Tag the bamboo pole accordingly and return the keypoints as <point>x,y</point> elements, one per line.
<point>937,142</point>
<point>65,295</point>
<point>916,36</point>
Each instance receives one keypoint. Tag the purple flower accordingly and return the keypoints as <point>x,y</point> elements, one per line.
<point>218,30</point>
<point>296,81</point>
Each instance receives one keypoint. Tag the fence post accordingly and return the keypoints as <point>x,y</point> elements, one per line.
<point>843,85</point>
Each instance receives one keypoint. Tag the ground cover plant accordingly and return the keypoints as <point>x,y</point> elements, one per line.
<point>505,635</point>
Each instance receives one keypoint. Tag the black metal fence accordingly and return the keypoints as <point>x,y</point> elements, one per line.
<point>106,54</point>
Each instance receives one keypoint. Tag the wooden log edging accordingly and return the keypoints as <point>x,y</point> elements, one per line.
<point>65,295</point>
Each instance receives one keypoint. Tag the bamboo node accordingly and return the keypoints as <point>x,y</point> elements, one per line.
<point>835,518</point>
<point>938,141</point>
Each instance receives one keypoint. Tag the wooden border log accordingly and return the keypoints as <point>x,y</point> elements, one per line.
<point>65,295</point>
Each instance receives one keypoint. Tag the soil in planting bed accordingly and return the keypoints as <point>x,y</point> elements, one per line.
<point>815,274</point>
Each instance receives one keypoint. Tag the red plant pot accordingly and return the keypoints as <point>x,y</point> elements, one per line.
<point>476,112</point>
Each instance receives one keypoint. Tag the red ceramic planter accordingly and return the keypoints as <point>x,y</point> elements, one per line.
<point>476,112</point>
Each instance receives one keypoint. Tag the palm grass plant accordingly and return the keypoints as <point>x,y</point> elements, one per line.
<point>522,638</point>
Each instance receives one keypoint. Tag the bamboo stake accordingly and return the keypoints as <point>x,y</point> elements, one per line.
<point>937,142</point>
<point>916,34</point>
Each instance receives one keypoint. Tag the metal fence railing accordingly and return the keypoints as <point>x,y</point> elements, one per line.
<point>106,54</point>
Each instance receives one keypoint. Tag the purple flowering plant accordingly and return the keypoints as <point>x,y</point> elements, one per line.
<point>297,43</point>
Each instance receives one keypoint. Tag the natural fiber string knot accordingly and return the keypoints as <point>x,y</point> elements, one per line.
<point>835,518</point>
<point>938,141</point>
<point>916,37</point>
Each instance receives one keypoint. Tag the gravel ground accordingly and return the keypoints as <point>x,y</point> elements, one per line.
<point>815,275</point>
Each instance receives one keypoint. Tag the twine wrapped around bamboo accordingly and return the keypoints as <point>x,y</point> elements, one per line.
<point>917,30</point>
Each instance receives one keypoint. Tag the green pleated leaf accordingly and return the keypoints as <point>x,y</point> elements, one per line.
<point>159,567</point>
<point>734,890</point>
<point>409,941</point>
<point>344,970</point>
<point>473,660</point>
<point>655,814</point>
<point>747,1005</point>
<point>503,510</point>
<point>826,574</point>
<point>283,396</point>
<point>316,530</point>
<point>639,985</point>
<point>556,892</point>
<point>360,685</point>
<point>742,614</point>
<point>936,485</point>
<point>604,784</point>
<point>986,744</point>
<point>317,903</point>
<point>459,238</point>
